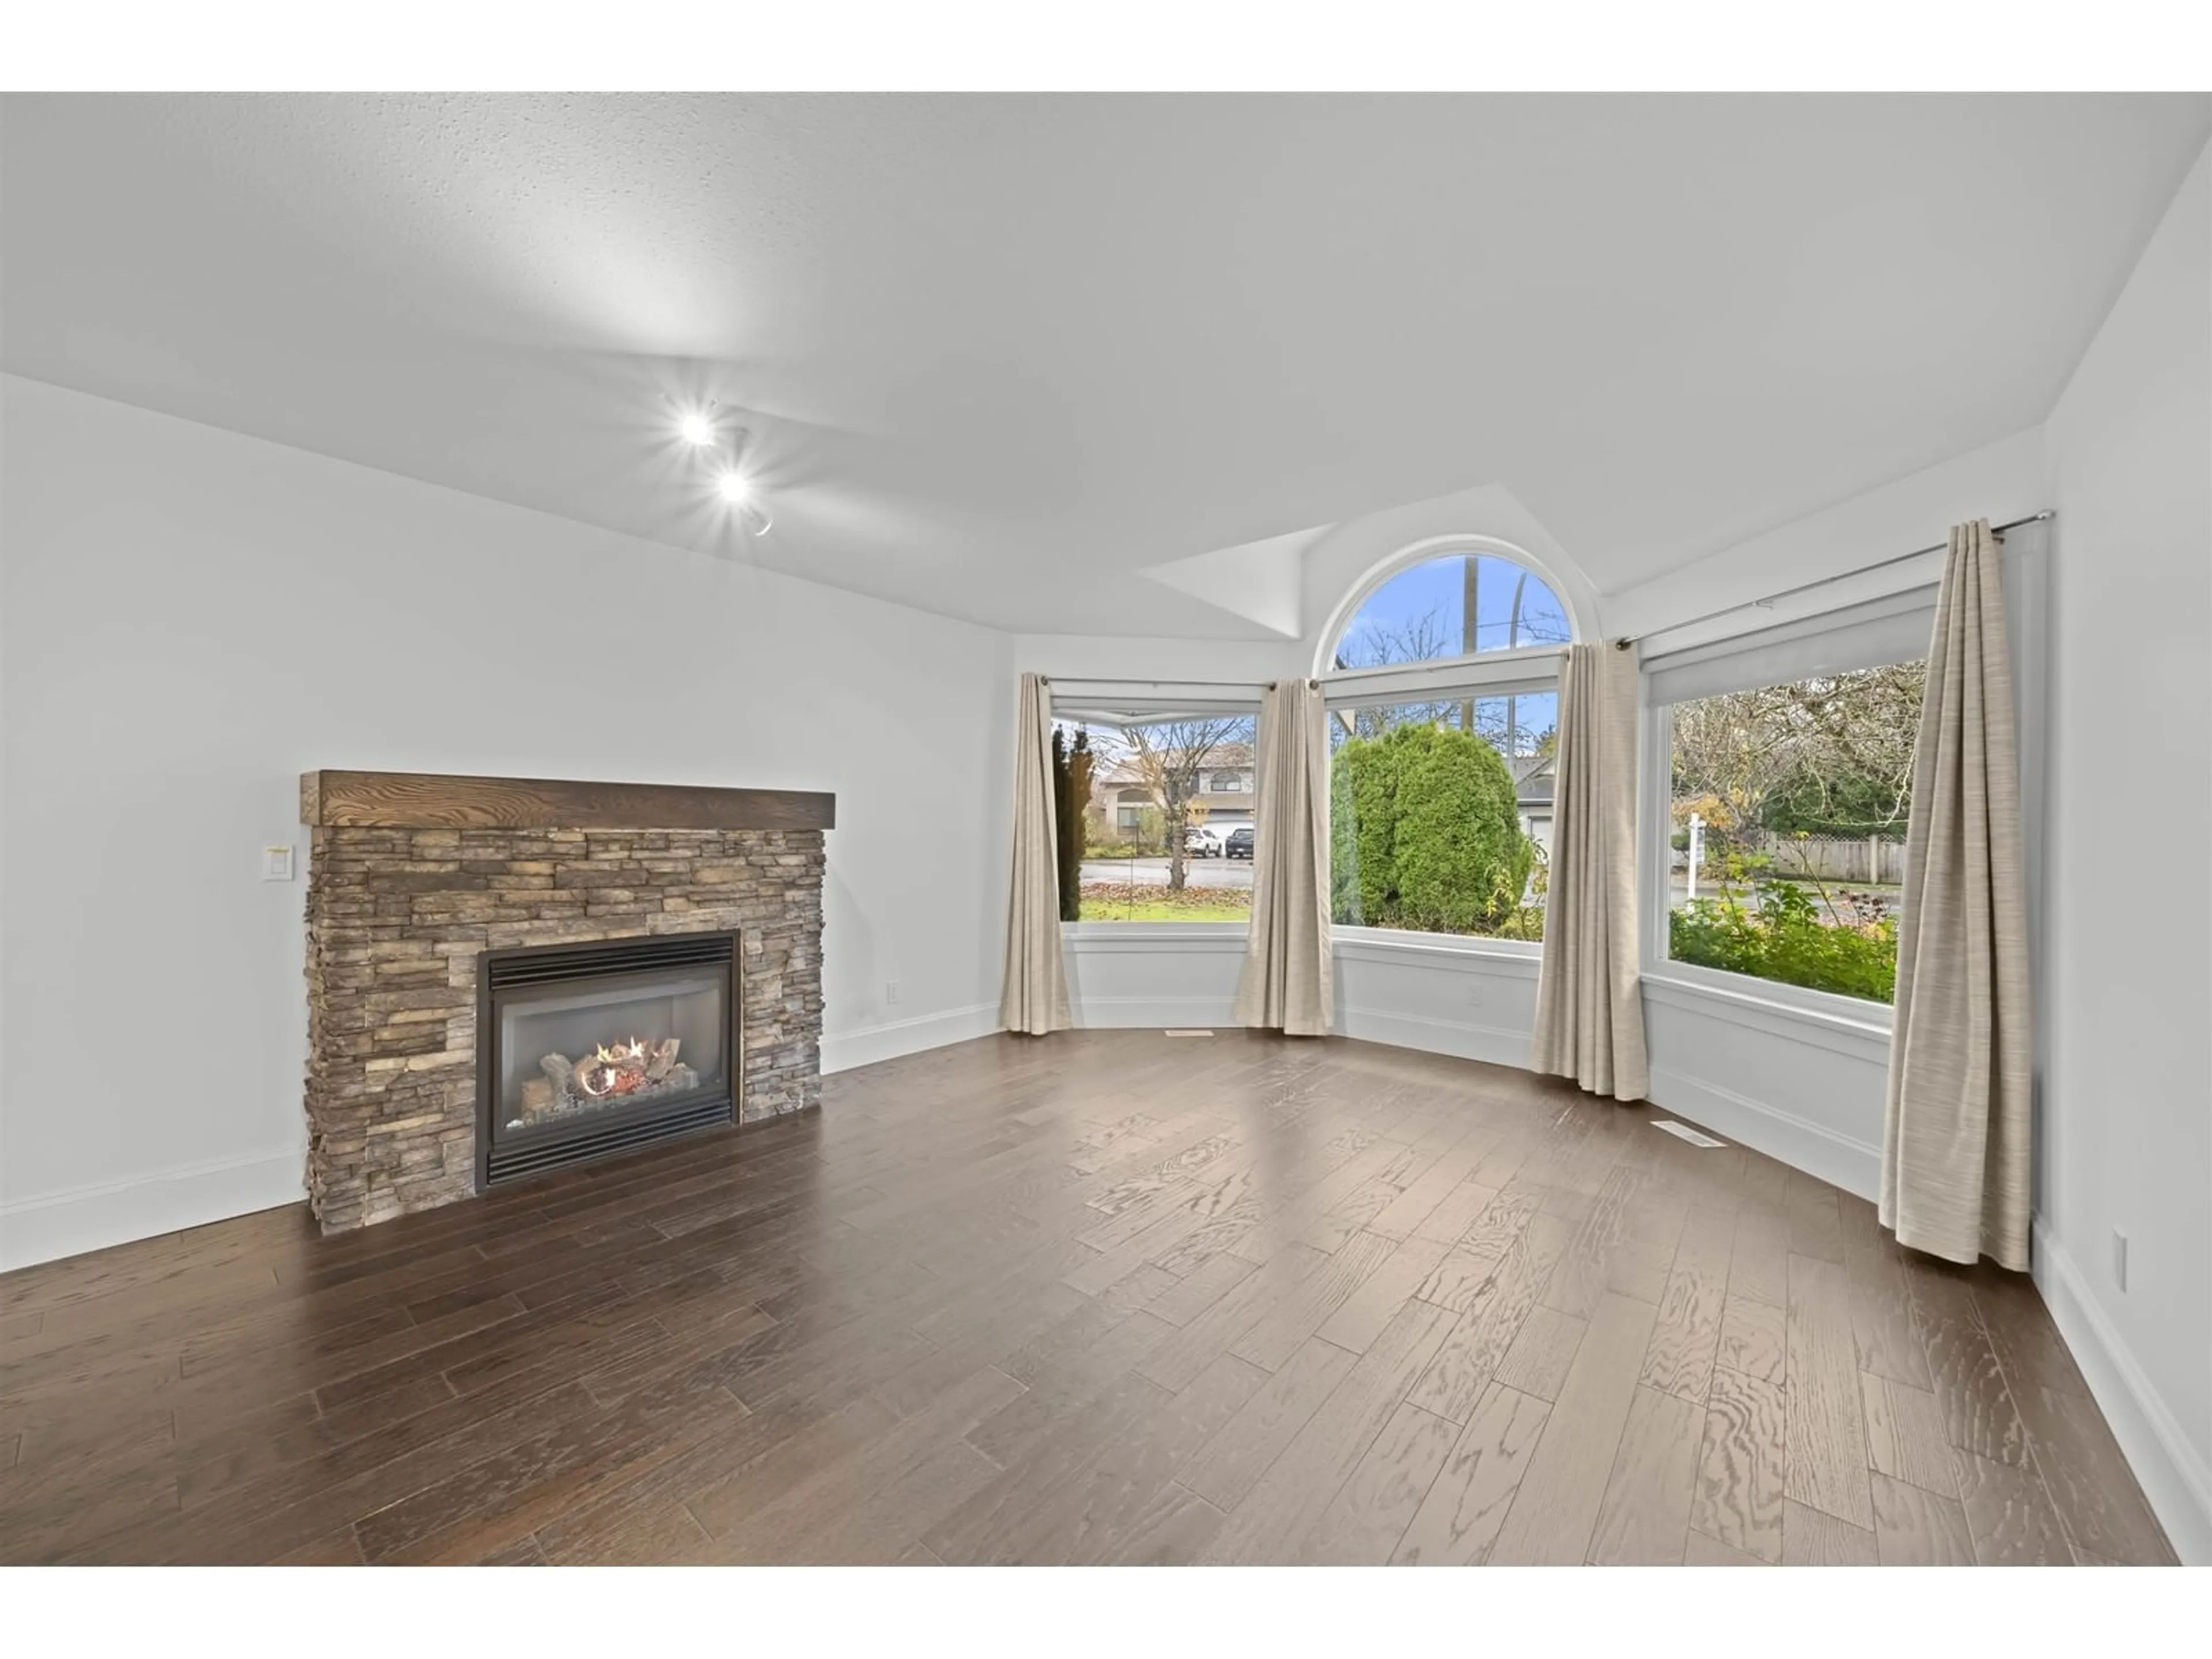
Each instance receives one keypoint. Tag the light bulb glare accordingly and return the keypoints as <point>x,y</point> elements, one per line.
<point>734,487</point>
<point>697,429</point>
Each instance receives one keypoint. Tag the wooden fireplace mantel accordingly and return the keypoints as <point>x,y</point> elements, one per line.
<point>431,801</point>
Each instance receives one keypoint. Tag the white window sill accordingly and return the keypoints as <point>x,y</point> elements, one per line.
<point>1457,952</point>
<point>1463,951</point>
<point>1846,1025</point>
<point>1200,936</point>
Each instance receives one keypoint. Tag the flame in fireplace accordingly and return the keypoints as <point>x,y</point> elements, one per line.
<point>625,1069</point>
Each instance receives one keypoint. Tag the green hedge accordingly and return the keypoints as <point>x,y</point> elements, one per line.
<point>1783,939</point>
<point>1425,832</point>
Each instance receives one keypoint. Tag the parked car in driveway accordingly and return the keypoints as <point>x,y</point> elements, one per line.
<point>1200,843</point>
<point>1239,844</point>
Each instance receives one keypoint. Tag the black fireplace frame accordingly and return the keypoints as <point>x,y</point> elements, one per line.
<point>502,1158</point>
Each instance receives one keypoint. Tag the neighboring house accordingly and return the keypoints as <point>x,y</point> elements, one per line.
<point>1120,795</point>
<point>1533,776</point>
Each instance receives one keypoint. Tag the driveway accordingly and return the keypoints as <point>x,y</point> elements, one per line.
<point>1153,872</point>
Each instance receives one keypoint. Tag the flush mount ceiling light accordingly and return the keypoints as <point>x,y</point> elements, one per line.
<point>723,454</point>
<point>735,487</point>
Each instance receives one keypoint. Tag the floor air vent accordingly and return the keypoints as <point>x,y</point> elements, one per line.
<point>1684,1131</point>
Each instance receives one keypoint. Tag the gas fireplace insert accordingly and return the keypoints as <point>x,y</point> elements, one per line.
<point>584,1051</point>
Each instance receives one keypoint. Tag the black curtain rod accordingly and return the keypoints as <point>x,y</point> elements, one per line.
<point>1823,581</point>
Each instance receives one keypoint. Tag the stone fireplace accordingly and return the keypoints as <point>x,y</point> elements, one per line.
<point>507,976</point>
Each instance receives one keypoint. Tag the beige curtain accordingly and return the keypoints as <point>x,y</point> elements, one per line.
<point>1285,983</point>
<point>1589,1013</point>
<point>1035,1000</point>
<point>1955,1139</point>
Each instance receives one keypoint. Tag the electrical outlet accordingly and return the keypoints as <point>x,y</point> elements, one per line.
<point>2119,1258</point>
<point>276,864</point>
<point>1475,995</point>
<point>891,993</point>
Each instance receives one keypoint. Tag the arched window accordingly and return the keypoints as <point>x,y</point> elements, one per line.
<point>1443,704</point>
<point>1455,605</point>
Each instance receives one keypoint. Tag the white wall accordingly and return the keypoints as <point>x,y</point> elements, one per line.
<point>2000,482</point>
<point>2127,1119</point>
<point>1073,656</point>
<point>1136,974</point>
<point>193,617</point>
<point>1802,1087</point>
<point>1472,998</point>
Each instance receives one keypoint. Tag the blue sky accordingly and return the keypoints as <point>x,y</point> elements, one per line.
<point>1437,589</point>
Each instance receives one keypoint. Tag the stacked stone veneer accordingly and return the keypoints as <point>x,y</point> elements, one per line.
<point>397,919</point>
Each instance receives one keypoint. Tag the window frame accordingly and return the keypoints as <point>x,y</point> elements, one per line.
<point>1442,690</point>
<point>1845,1024</point>
<point>1148,704</point>
<point>1580,627</point>
<point>1523,670</point>
<point>1820,643</point>
<point>1654,875</point>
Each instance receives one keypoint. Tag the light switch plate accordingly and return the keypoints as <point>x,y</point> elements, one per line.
<point>276,864</point>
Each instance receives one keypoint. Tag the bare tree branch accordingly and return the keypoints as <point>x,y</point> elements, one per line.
<point>1167,757</point>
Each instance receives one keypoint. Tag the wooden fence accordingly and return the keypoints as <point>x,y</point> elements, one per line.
<point>1870,860</point>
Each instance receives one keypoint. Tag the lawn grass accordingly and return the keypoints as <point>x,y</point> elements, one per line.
<point>1113,901</point>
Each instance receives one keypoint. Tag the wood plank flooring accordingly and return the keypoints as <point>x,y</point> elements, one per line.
<point>1108,1297</point>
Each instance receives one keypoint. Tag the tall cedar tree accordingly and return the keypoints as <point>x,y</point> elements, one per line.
<point>1071,795</point>
<point>1426,832</point>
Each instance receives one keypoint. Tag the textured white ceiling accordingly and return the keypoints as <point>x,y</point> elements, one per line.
<point>1004,352</point>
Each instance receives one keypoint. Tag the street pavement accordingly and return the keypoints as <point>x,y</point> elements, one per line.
<point>1153,872</point>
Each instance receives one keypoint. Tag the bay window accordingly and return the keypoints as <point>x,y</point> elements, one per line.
<point>1776,822</point>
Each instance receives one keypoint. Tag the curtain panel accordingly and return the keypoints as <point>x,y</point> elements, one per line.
<point>1955,1130</point>
<point>1287,981</point>
<point>1034,998</point>
<point>1589,1011</point>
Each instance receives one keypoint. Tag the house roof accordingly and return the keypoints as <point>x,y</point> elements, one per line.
<point>1533,776</point>
<point>1222,757</point>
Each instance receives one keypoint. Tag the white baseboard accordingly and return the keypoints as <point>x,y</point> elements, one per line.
<point>843,1052</point>
<point>1837,1159</point>
<point>2172,1472</point>
<point>95,1217</point>
<point>1491,1043</point>
<point>92,1217</point>
<point>1098,1013</point>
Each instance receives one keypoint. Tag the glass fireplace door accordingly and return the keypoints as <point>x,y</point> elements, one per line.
<point>579,1048</point>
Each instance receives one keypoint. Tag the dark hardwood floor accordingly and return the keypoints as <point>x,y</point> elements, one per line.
<point>1111,1296</point>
